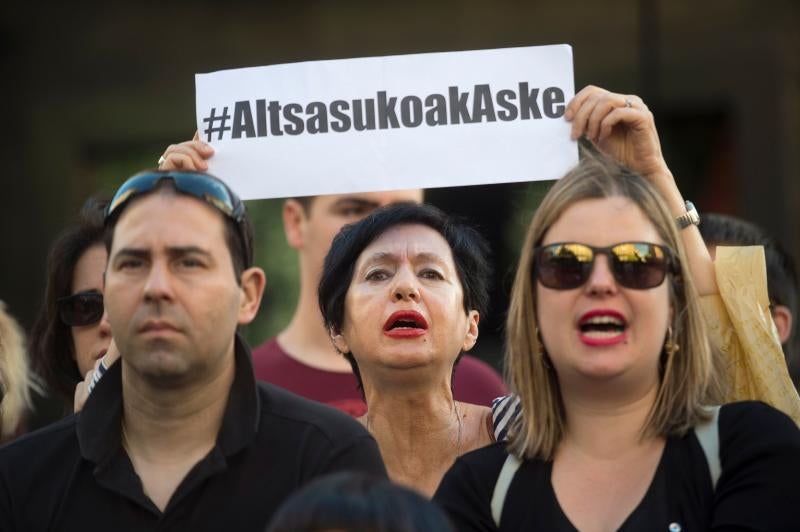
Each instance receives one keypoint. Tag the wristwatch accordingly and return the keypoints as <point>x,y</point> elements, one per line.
<point>690,217</point>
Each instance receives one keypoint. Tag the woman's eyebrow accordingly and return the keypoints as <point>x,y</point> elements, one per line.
<point>380,256</point>
<point>386,256</point>
<point>427,256</point>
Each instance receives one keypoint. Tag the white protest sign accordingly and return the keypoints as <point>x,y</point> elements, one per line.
<point>386,123</point>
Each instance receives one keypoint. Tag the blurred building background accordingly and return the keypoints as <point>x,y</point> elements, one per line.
<point>94,91</point>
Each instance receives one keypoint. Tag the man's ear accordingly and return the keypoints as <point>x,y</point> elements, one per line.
<point>783,319</point>
<point>339,342</point>
<point>471,335</point>
<point>253,283</point>
<point>294,223</point>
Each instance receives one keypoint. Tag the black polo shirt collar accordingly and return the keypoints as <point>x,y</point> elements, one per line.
<point>99,423</point>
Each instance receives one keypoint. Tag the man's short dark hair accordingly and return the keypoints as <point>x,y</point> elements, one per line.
<point>238,235</point>
<point>782,285</point>
<point>470,255</point>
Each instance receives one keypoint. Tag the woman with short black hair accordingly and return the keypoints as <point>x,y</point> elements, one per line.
<point>402,292</point>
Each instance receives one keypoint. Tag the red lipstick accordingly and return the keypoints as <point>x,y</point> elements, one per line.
<point>602,327</point>
<point>405,324</point>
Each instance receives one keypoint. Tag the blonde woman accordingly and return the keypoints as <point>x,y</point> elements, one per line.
<point>734,298</point>
<point>609,354</point>
<point>15,380</point>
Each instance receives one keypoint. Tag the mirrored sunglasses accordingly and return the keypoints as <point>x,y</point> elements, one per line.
<point>636,265</point>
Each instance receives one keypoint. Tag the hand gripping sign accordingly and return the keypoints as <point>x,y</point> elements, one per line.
<point>386,123</point>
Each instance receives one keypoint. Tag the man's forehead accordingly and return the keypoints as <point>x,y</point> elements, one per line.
<point>175,217</point>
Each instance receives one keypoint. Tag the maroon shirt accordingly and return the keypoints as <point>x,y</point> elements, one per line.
<point>475,381</point>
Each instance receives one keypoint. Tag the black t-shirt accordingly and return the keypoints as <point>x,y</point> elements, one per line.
<point>759,488</point>
<point>74,474</point>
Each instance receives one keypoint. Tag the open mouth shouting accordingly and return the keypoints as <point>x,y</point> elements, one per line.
<point>602,327</point>
<point>405,324</point>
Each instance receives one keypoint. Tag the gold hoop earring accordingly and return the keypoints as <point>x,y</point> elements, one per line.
<point>670,346</point>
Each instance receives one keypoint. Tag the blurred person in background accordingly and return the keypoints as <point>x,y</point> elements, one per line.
<point>301,358</point>
<point>16,381</point>
<point>71,332</point>
<point>782,286</point>
<point>351,502</point>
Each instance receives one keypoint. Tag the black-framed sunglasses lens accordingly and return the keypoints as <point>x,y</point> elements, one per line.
<point>81,309</point>
<point>567,265</point>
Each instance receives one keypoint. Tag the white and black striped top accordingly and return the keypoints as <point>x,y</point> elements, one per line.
<point>504,411</point>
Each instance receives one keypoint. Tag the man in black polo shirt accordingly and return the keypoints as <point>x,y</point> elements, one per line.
<point>178,435</point>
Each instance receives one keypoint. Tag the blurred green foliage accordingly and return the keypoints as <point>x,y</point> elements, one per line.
<point>279,261</point>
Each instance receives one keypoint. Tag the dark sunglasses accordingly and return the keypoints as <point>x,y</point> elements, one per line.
<point>204,187</point>
<point>637,265</point>
<point>81,309</point>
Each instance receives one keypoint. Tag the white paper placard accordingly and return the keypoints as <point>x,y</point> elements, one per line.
<point>387,123</point>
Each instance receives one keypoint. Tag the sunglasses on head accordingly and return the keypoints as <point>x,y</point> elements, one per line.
<point>204,187</point>
<point>637,265</point>
<point>81,309</point>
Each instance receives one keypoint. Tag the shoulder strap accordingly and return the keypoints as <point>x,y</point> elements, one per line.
<point>707,434</point>
<point>504,479</point>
